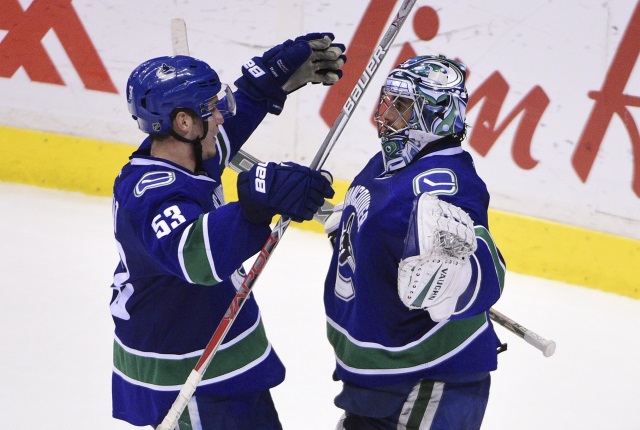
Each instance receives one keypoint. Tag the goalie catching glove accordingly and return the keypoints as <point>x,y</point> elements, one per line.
<point>435,269</point>
<point>291,65</point>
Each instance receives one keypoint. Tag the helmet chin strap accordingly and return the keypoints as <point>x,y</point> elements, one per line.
<point>196,144</point>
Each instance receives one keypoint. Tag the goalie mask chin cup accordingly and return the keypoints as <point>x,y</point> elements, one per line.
<point>160,86</point>
<point>424,99</point>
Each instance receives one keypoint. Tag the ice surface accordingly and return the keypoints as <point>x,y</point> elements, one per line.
<point>56,262</point>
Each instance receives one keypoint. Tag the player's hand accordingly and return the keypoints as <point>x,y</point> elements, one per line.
<point>288,189</point>
<point>322,65</point>
<point>291,65</point>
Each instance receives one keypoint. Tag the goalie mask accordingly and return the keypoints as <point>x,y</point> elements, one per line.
<point>162,85</point>
<point>424,99</point>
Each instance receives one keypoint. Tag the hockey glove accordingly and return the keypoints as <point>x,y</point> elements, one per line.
<point>288,189</point>
<point>435,269</point>
<point>291,65</point>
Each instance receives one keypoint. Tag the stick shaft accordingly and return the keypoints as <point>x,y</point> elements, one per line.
<point>363,83</point>
<point>547,347</point>
<point>179,405</point>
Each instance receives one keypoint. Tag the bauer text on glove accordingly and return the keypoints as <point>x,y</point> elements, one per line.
<point>288,189</point>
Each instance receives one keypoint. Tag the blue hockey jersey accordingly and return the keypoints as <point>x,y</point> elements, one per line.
<point>378,341</point>
<point>180,249</point>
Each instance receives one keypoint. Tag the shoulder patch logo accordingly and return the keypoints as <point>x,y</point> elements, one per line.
<point>436,181</point>
<point>153,180</point>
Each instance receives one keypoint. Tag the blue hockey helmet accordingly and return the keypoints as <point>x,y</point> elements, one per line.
<point>158,87</point>
<point>423,100</point>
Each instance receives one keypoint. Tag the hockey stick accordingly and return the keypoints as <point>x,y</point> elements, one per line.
<point>548,347</point>
<point>197,373</point>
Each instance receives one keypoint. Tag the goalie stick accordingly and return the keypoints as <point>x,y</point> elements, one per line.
<point>198,371</point>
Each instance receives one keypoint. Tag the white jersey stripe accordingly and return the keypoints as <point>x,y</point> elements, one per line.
<point>408,407</point>
<point>194,414</point>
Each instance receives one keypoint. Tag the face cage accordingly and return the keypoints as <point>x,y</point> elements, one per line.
<point>395,113</point>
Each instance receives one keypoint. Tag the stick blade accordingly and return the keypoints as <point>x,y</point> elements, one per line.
<point>179,41</point>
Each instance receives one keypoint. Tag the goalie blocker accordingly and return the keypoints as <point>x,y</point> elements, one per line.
<point>435,269</point>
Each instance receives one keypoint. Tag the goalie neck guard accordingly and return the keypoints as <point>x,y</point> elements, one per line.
<point>423,100</point>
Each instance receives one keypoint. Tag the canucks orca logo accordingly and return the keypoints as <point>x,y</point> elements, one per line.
<point>153,180</point>
<point>346,262</point>
<point>436,181</point>
<point>356,211</point>
<point>165,69</point>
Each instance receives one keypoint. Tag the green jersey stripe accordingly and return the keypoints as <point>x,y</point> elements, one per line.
<point>483,233</point>
<point>442,341</point>
<point>183,239</point>
<point>205,231</point>
<point>196,254</point>
<point>169,370</point>
<point>222,144</point>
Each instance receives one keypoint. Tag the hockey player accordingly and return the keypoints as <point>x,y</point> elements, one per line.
<point>182,247</point>
<point>414,269</point>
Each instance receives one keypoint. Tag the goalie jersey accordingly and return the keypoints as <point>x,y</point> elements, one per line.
<point>181,252</point>
<point>377,340</point>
